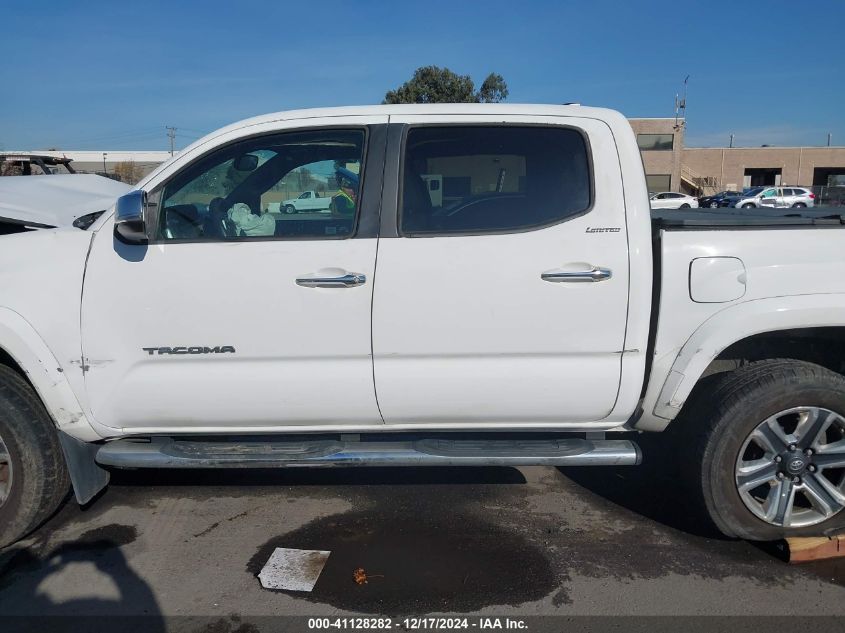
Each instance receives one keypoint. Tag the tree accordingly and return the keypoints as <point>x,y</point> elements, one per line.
<point>431,84</point>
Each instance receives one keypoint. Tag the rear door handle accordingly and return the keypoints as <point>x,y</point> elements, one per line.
<point>350,280</point>
<point>578,276</point>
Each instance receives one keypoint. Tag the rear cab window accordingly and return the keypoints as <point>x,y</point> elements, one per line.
<point>478,179</point>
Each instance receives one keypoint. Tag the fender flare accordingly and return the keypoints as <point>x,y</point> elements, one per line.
<point>20,340</point>
<point>734,324</point>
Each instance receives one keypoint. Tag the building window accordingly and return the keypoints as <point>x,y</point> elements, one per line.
<point>658,182</point>
<point>656,142</point>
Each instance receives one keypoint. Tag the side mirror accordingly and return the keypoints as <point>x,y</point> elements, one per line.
<point>246,162</point>
<point>129,223</point>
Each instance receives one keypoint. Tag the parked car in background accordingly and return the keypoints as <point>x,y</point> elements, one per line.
<point>778,197</point>
<point>715,200</point>
<point>312,201</point>
<point>672,200</point>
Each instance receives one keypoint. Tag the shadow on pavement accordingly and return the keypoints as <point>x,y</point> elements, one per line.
<point>369,476</point>
<point>653,489</point>
<point>26,606</point>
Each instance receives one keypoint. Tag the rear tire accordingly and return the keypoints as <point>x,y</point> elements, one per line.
<point>684,206</point>
<point>721,428</point>
<point>799,205</point>
<point>33,476</point>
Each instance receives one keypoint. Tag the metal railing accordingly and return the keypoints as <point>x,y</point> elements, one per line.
<point>704,185</point>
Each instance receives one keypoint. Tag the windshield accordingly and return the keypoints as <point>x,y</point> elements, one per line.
<point>753,191</point>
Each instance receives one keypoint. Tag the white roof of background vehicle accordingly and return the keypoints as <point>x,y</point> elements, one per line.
<point>56,200</point>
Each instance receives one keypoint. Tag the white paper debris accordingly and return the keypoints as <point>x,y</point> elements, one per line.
<point>293,569</point>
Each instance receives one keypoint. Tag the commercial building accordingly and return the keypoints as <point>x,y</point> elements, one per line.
<point>671,166</point>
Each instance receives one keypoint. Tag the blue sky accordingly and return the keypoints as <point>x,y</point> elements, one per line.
<point>112,75</point>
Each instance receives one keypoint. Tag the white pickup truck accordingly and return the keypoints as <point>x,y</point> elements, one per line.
<point>307,201</point>
<point>531,320</point>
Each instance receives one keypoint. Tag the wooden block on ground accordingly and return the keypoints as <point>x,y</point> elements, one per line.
<point>802,550</point>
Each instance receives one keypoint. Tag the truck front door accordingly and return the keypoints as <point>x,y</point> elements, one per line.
<point>234,319</point>
<point>504,300</point>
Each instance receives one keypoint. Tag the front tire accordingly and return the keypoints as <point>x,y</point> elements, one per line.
<point>33,476</point>
<point>290,209</point>
<point>749,205</point>
<point>769,442</point>
<point>684,206</point>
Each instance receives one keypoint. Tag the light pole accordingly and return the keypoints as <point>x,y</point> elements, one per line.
<point>105,171</point>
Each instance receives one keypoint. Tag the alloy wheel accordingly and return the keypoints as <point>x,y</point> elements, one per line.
<point>790,471</point>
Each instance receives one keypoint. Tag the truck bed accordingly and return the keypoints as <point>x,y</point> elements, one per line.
<point>744,218</point>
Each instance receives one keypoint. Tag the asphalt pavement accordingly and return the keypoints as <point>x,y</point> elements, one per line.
<point>505,541</point>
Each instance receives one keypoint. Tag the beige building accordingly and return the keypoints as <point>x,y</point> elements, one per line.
<point>661,143</point>
<point>670,166</point>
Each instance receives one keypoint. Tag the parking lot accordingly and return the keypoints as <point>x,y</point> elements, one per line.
<point>522,542</point>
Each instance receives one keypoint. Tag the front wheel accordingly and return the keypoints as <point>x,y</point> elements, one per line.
<point>33,476</point>
<point>290,209</point>
<point>770,450</point>
<point>684,206</point>
<point>714,205</point>
<point>749,205</point>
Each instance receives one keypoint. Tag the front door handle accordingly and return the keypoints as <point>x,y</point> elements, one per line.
<point>578,276</point>
<point>350,280</point>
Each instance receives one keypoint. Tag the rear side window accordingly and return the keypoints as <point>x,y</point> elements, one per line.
<point>486,179</point>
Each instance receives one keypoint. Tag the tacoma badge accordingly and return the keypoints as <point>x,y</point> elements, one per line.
<point>220,349</point>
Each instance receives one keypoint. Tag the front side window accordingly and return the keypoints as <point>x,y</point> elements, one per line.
<point>770,193</point>
<point>655,142</point>
<point>483,179</point>
<point>242,190</point>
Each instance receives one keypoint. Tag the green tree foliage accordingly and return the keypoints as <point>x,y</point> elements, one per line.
<point>431,84</point>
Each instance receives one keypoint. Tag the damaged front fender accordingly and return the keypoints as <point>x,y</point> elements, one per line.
<point>23,344</point>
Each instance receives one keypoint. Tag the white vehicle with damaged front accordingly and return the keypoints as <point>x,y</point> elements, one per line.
<point>533,308</point>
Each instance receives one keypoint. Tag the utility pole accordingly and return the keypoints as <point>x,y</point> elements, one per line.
<point>829,136</point>
<point>171,133</point>
<point>681,104</point>
<point>105,171</point>
<point>732,141</point>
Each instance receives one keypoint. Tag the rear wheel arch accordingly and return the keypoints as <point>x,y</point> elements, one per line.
<point>774,327</point>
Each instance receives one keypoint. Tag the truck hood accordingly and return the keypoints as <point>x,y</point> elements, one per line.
<point>56,200</point>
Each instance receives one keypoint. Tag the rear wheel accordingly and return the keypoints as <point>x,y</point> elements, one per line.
<point>684,206</point>
<point>770,450</point>
<point>799,205</point>
<point>714,205</point>
<point>33,477</point>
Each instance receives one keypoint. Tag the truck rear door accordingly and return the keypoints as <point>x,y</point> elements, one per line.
<point>504,299</point>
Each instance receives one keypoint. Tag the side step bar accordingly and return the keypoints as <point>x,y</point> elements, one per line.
<point>169,452</point>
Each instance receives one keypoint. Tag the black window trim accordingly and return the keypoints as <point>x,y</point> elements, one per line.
<point>366,218</point>
<point>402,147</point>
